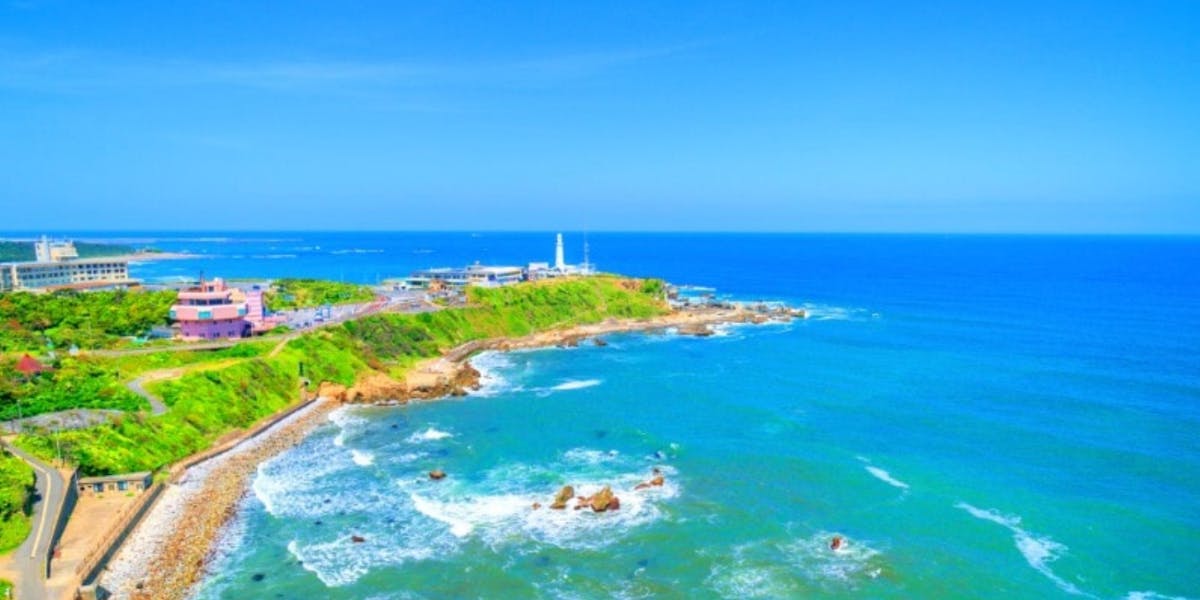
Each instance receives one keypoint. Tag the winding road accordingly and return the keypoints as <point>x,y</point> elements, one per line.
<point>31,561</point>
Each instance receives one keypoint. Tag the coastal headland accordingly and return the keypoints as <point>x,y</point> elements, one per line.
<point>176,539</point>
<point>220,412</point>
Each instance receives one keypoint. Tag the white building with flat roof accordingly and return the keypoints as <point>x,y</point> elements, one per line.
<point>59,267</point>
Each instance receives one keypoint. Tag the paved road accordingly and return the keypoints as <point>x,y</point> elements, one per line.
<point>32,559</point>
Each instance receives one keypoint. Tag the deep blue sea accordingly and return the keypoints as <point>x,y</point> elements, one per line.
<point>979,416</point>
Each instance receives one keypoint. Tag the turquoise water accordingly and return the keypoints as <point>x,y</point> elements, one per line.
<point>980,417</point>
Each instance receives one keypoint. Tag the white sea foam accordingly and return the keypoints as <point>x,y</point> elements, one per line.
<point>825,312</point>
<point>741,581</point>
<point>1148,595</point>
<point>461,517</point>
<point>853,561</point>
<point>575,384</point>
<point>498,510</point>
<point>357,251</point>
<point>773,570</point>
<point>362,458</point>
<point>491,366</point>
<point>886,477</point>
<point>341,561</point>
<point>347,421</point>
<point>1039,552</point>
<point>408,457</point>
<point>589,456</point>
<point>429,435</point>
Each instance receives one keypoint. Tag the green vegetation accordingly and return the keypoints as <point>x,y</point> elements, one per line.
<point>99,382</point>
<point>81,382</point>
<point>308,293</point>
<point>23,251</point>
<point>16,486</point>
<point>86,319</point>
<point>206,404</point>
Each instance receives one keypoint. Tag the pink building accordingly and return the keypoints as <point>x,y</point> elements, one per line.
<point>209,311</point>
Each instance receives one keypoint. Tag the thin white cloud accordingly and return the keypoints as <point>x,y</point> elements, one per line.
<point>75,71</point>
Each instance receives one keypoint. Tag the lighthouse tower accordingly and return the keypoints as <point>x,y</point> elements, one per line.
<point>559,263</point>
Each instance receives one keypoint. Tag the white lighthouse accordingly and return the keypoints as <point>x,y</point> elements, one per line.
<point>559,262</point>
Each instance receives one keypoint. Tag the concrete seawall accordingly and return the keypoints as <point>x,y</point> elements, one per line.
<point>89,571</point>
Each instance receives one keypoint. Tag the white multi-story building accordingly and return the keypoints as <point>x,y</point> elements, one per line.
<point>58,266</point>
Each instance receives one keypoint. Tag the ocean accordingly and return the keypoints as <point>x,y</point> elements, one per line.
<point>977,416</point>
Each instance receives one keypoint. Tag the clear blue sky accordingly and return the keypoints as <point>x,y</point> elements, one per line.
<point>831,116</point>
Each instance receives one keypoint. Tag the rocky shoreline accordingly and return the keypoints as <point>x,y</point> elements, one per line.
<point>168,552</point>
<point>453,375</point>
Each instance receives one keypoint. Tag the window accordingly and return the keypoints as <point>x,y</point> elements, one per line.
<point>122,485</point>
<point>98,488</point>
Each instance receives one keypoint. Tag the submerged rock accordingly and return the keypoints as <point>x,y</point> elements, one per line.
<point>437,474</point>
<point>599,342</point>
<point>357,539</point>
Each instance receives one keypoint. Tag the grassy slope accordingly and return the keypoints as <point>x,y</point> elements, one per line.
<point>308,293</point>
<point>16,484</point>
<point>207,404</point>
<point>95,382</point>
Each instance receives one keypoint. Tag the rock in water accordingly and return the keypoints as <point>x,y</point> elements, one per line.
<point>560,501</point>
<point>599,342</point>
<point>696,329</point>
<point>437,474</point>
<point>357,539</point>
<point>601,500</point>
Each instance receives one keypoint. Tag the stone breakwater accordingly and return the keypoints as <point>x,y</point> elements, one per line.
<point>167,553</point>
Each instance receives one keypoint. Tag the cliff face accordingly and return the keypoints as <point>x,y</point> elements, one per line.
<point>443,378</point>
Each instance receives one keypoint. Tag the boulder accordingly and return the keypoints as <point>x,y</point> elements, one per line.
<point>537,505</point>
<point>560,500</point>
<point>601,500</point>
<point>599,342</point>
<point>357,539</point>
<point>696,329</point>
<point>437,474</point>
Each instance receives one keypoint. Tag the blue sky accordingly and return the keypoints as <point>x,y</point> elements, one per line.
<point>775,116</point>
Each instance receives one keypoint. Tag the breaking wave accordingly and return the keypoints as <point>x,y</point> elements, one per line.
<point>429,435</point>
<point>575,384</point>
<point>886,477</point>
<point>1039,552</point>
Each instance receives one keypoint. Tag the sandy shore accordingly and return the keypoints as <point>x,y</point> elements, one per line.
<point>166,553</point>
